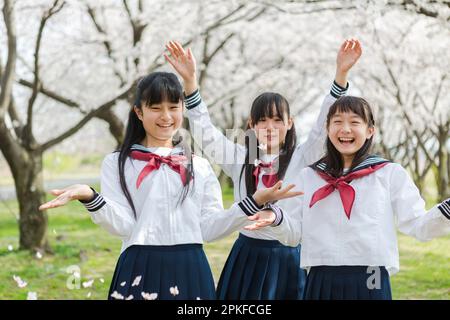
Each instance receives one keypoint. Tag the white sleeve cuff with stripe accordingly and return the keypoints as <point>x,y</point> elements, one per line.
<point>444,207</point>
<point>249,206</point>
<point>337,91</point>
<point>278,214</point>
<point>96,203</point>
<point>192,100</point>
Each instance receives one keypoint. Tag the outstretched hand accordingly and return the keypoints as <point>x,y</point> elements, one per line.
<point>74,192</point>
<point>263,196</point>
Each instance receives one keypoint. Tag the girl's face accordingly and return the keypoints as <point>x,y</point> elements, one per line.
<point>271,132</point>
<point>348,132</point>
<point>161,121</point>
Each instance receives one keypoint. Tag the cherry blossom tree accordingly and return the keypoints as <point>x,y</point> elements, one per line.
<point>67,66</point>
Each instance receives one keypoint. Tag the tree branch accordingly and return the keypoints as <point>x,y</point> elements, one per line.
<point>15,120</point>
<point>105,42</point>
<point>8,74</point>
<point>86,119</point>
<point>345,5</point>
<point>234,91</point>
<point>53,95</point>
<point>399,99</point>
<point>28,130</point>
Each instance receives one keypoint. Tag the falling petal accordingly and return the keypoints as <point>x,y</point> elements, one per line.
<point>130,297</point>
<point>198,298</point>
<point>54,231</point>
<point>38,255</point>
<point>88,284</point>
<point>174,291</point>
<point>149,296</point>
<point>262,146</point>
<point>116,295</point>
<point>88,295</point>
<point>102,280</point>
<point>32,296</point>
<point>123,284</point>
<point>153,296</point>
<point>136,281</point>
<point>19,281</point>
<point>10,248</point>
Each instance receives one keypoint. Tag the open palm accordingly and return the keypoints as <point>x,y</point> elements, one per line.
<point>275,193</point>
<point>348,54</point>
<point>63,196</point>
<point>261,219</point>
<point>181,60</point>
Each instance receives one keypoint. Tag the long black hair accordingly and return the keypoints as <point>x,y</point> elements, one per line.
<point>333,158</point>
<point>154,88</point>
<point>266,105</point>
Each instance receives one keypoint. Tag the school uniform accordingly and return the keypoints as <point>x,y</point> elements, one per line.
<point>258,266</point>
<point>347,227</point>
<point>162,249</point>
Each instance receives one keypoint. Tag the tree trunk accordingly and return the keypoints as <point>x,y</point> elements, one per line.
<point>30,195</point>
<point>116,126</point>
<point>442,178</point>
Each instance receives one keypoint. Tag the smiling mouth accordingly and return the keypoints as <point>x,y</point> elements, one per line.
<point>164,125</point>
<point>346,140</point>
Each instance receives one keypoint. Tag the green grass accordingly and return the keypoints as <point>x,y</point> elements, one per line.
<point>77,241</point>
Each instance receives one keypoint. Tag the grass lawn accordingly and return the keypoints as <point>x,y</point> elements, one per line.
<point>79,244</point>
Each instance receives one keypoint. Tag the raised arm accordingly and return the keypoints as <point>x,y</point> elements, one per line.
<point>222,151</point>
<point>348,54</point>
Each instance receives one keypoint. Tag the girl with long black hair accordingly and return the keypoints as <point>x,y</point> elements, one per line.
<point>162,201</point>
<point>259,266</point>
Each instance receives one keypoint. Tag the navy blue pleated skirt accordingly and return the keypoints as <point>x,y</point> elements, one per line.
<point>261,270</point>
<point>347,283</point>
<point>178,272</point>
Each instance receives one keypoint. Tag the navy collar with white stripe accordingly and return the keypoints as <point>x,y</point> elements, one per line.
<point>371,160</point>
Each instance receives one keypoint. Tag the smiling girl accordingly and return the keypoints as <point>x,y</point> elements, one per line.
<point>162,201</point>
<point>259,266</point>
<point>352,205</point>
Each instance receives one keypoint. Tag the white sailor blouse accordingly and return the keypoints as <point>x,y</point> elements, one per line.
<point>159,220</point>
<point>230,156</point>
<point>337,231</point>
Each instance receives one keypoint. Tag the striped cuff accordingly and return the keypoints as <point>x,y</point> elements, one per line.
<point>278,214</point>
<point>445,208</point>
<point>192,100</point>
<point>96,203</point>
<point>249,206</point>
<point>337,91</point>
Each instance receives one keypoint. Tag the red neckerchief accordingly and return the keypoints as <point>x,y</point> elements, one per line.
<point>269,178</point>
<point>154,161</point>
<point>346,191</point>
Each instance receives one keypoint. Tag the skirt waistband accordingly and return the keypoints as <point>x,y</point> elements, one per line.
<point>347,269</point>
<point>260,242</point>
<point>176,247</point>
